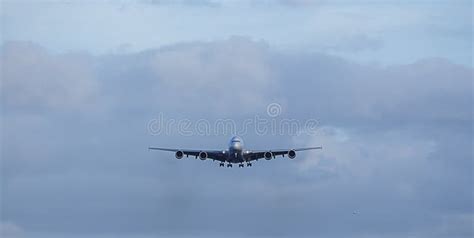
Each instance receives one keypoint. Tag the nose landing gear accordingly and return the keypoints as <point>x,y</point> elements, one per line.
<point>229,165</point>
<point>221,164</point>
<point>249,164</point>
<point>241,165</point>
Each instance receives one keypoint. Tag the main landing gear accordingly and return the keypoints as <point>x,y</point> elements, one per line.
<point>248,165</point>
<point>229,165</point>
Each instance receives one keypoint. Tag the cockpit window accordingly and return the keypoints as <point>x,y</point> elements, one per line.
<point>235,139</point>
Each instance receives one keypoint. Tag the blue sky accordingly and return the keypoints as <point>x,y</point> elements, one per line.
<point>390,85</point>
<point>375,32</point>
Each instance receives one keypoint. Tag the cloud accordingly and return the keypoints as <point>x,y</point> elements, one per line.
<point>396,144</point>
<point>355,154</point>
<point>10,230</point>
<point>33,78</point>
<point>427,91</point>
<point>218,74</point>
<point>366,157</point>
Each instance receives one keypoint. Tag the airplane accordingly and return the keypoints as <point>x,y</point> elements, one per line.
<point>235,154</point>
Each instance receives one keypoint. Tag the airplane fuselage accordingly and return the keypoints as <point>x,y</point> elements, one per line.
<point>235,153</point>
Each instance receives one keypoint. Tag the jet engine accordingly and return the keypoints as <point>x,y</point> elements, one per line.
<point>268,155</point>
<point>202,155</point>
<point>291,154</point>
<point>179,154</point>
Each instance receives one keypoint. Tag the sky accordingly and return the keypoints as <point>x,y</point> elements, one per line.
<point>389,84</point>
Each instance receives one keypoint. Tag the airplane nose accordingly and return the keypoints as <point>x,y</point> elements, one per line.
<point>236,146</point>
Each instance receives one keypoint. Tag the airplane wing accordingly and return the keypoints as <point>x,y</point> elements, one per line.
<point>202,154</point>
<point>271,154</point>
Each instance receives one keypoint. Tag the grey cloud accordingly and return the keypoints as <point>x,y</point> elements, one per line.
<point>34,78</point>
<point>425,92</point>
<point>204,72</point>
<point>10,230</point>
<point>396,144</point>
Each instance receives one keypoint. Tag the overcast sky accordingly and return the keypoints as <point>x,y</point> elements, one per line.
<point>390,85</point>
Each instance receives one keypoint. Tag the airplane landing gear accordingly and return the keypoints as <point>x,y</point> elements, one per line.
<point>229,165</point>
